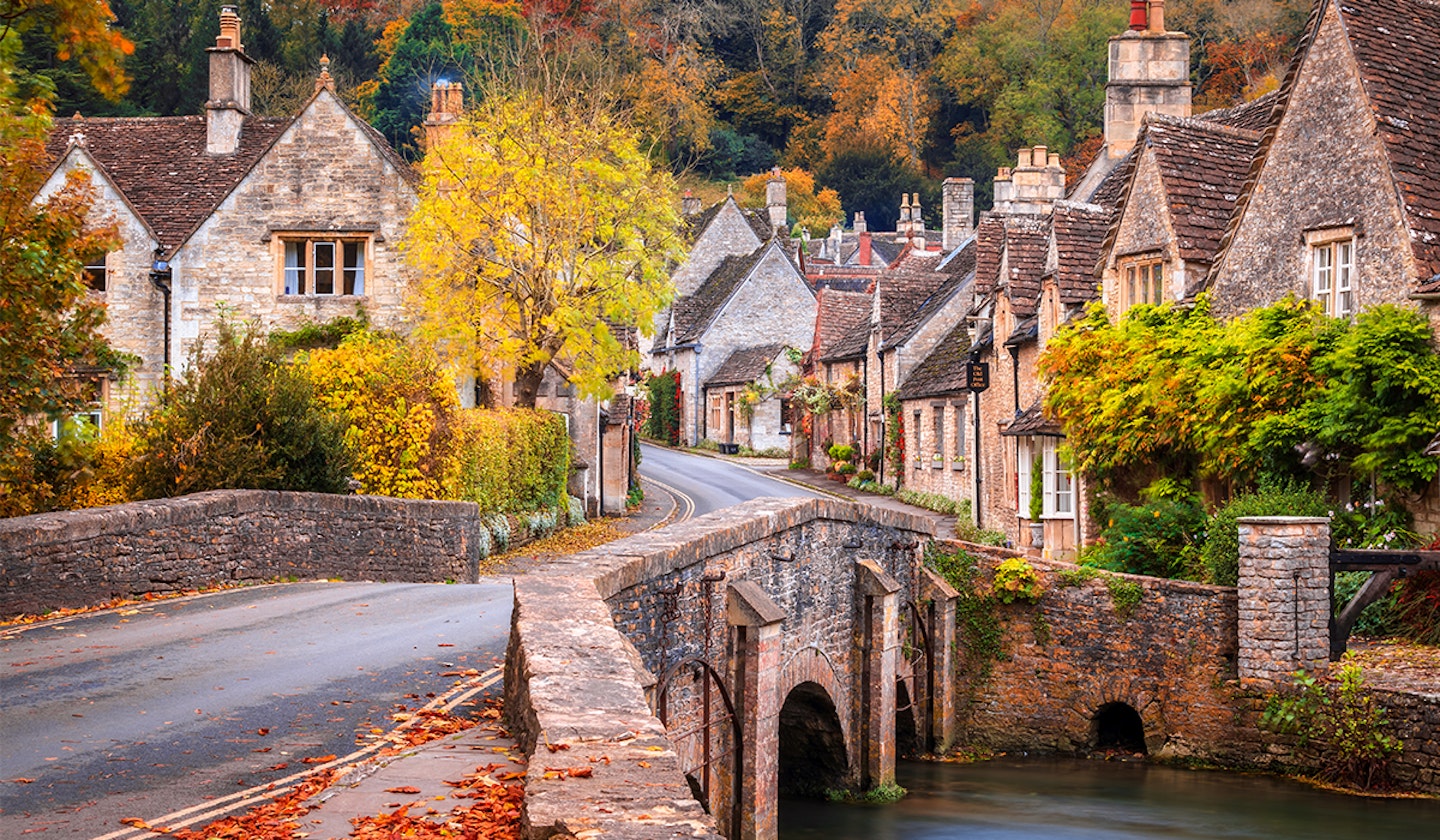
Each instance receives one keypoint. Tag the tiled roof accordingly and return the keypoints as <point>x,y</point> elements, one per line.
<point>901,294</point>
<point>1254,115</point>
<point>1203,166</point>
<point>838,315</point>
<point>745,365</point>
<point>1397,46</point>
<point>989,247</point>
<point>958,273</point>
<point>695,223</point>
<point>852,345</point>
<point>1079,231</point>
<point>1032,421</point>
<point>1027,242</point>
<point>943,371</point>
<point>161,166</point>
<point>693,314</point>
<point>1110,190</point>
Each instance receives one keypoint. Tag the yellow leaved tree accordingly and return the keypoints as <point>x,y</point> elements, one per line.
<point>543,234</point>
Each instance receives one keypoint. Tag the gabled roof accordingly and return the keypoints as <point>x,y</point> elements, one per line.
<point>943,371</point>
<point>758,221</point>
<point>1254,115</point>
<point>1079,231</point>
<point>694,314</point>
<point>1032,421</point>
<point>745,365</point>
<point>838,314</point>
<point>1397,46</point>
<point>958,274</point>
<point>852,345</point>
<point>901,294</point>
<point>1203,166</point>
<point>989,248</point>
<point>1027,242</point>
<point>161,167</point>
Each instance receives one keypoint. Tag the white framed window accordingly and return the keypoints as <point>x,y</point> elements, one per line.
<point>1332,272</point>
<point>1024,461</point>
<point>1142,280</point>
<point>1059,486</point>
<point>937,415</point>
<point>917,445</point>
<point>324,266</point>
<point>959,462</point>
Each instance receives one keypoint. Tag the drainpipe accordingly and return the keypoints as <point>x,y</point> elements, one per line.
<point>865,419</point>
<point>160,278</point>
<point>979,503</point>
<point>884,415</point>
<point>600,458</point>
<point>695,418</point>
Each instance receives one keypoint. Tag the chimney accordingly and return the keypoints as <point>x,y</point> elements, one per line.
<point>689,204</point>
<point>447,103</point>
<point>229,102</point>
<point>775,199</point>
<point>917,223</point>
<point>837,239</point>
<point>1033,186</point>
<point>864,253</point>
<point>1149,74</point>
<point>859,224</point>
<point>957,210</point>
<point>902,227</point>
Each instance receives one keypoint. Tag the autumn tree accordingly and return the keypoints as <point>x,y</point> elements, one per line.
<point>48,323</point>
<point>542,234</point>
<point>813,209</point>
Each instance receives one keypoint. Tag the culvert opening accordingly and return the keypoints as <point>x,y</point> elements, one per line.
<point>1118,728</point>
<point>812,745</point>
<point>907,734</point>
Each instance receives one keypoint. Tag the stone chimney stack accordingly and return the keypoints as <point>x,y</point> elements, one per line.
<point>836,244</point>
<point>1149,74</point>
<point>917,223</point>
<point>859,224</point>
<point>775,201</point>
<point>689,204</point>
<point>957,211</point>
<point>229,102</point>
<point>1033,186</point>
<point>902,227</point>
<point>447,103</point>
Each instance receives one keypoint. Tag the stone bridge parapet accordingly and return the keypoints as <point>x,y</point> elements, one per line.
<point>713,624</point>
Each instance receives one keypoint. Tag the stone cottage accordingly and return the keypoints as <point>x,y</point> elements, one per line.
<point>745,400</point>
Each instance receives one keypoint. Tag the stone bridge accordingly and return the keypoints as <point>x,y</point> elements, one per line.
<point>780,643</point>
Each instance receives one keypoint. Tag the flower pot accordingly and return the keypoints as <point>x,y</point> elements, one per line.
<point>1037,534</point>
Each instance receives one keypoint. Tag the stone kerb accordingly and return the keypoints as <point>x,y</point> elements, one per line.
<point>79,558</point>
<point>575,692</point>
<point>1284,598</point>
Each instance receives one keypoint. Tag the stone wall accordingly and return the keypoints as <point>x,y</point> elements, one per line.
<point>79,558</point>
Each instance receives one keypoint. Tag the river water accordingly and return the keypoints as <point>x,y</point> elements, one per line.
<point>1074,799</point>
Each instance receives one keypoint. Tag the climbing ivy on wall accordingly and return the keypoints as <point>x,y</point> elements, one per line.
<point>663,421</point>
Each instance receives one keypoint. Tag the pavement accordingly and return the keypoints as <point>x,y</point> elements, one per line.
<point>416,778</point>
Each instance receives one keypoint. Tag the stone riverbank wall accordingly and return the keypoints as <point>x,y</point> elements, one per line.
<point>80,558</point>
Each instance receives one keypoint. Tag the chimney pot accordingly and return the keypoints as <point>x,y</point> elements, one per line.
<point>1138,17</point>
<point>859,224</point>
<point>229,37</point>
<point>1054,159</point>
<point>1156,22</point>
<point>1022,159</point>
<point>1039,155</point>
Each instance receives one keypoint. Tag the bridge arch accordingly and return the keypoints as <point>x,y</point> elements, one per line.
<point>1137,712</point>
<point>1117,726</point>
<point>813,665</point>
<point>813,748</point>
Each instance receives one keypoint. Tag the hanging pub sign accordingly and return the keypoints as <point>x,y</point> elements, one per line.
<point>977,376</point>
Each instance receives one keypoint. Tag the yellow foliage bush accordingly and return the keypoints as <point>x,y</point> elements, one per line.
<point>513,460</point>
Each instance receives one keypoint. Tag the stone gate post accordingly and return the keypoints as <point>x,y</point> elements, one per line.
<point>1284,595</point>
<point>880,607</point>
<point>757,654</point>
<point>940,662</point>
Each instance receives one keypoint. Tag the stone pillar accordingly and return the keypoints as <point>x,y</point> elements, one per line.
<point>880,640</point>
<point>1284,598</point>
<point>939,600</point>
<point>756,681</point>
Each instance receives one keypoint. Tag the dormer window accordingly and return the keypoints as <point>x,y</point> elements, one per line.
<point>324,266</point>
<point>1142,280</point>
<point>1332,270</point>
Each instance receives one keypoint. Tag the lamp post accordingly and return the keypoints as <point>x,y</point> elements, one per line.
<point>160,278</point>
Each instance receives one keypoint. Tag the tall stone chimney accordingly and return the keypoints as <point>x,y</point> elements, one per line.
<point>689,204</point>
<point>775,201</point>
<point>1033,186</point>
<point>1149,74</point>
<point>447,103</point>
<point>229,102</point>
<point>903,226</point>
<point>957,211</point>
<point>859,225</point>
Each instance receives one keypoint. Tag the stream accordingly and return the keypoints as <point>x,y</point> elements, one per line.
<point>1075,799</point>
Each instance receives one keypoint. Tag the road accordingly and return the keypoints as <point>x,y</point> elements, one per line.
<point>709,484</point>
<point>198,704</point>
<point>145,712</point>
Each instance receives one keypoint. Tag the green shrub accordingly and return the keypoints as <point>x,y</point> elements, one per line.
<point>708,445</point>
<point>1372,524</point>
<point>841,452</point>
<point>240,418</point>
<point>1125,594</point>
<point>1037,489</point>
<point>865,475</point>
<point>1160,537</point>
<point>1017,580</point>
<point>844,468</point>
<point>800,464</point>
<point>513,460</point>
<point>662,423</point>
<point>1339,727</point>
<point>1221,550</point>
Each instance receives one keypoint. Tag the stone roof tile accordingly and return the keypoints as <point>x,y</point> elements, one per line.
<point>695,313</point>
<point>943,371</point>
<point>1079,231</point>
<point>1203,166</point>
<point>745,365</point>
<point>838,314</point>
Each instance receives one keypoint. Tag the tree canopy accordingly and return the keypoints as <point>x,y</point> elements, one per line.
<point>542,234</point>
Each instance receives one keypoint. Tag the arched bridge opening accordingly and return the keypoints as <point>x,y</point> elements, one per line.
<point>1118,727</point>
<point>812,745</point>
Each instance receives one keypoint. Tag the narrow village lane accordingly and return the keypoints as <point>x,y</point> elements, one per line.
<point>710,483</point>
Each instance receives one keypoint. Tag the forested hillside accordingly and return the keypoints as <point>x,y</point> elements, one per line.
<point>874,97</point>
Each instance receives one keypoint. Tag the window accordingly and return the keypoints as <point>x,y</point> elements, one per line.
<point>938,415</point>
<point>324,266</point>
<point>96,274</point>
<point>1333,275</point>
<point>959,462</point>
<point>915,445</point>
<point>786,426</point>
<point>88,420</point>
<point>717,413</point>
<point>1059,488</point>
<point>1142,281</point>
<point>1024,458</point>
